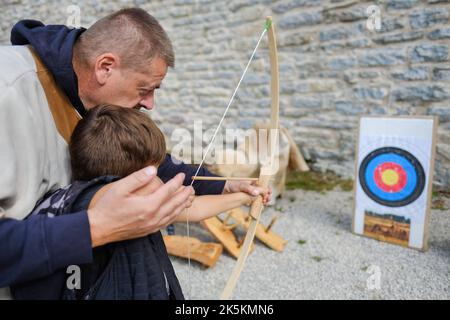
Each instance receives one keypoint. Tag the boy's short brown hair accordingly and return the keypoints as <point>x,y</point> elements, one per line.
<point>112,140</point>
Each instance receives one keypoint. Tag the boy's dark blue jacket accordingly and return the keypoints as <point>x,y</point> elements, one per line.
<point>38,246</point>
<point>137,269</point>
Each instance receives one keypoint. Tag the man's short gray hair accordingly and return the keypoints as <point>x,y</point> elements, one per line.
<point>133,34</point>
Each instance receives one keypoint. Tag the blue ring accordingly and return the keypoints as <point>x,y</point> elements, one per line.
<point>411,177</point>
<point>415,183</point>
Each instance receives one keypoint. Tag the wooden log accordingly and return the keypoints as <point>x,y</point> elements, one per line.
<point>207,253</point>
<point>269,238</point>
<point>272,222</point>
<point>296,160</point>
<point>215,226</point>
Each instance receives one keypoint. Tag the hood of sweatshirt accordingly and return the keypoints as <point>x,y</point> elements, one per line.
<point>54,45</point>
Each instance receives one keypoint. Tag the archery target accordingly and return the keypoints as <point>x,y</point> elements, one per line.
<point>392,176</point>
<point>394,168</point>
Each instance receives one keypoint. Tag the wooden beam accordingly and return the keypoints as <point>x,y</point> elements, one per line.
<point>206,253</point>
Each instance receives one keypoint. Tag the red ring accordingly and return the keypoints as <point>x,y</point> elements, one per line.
<point>402,177</point>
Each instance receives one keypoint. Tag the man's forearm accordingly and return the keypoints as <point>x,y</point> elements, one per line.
<point>36,247</point>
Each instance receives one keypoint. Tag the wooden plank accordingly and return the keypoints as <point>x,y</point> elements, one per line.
<point>269,238</point>
<point>206,253</point>
<point>296,160</point>
<point>225,235</point>
<point>430,183</point>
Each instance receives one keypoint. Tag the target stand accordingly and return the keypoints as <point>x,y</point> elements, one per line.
<point>394,166</point>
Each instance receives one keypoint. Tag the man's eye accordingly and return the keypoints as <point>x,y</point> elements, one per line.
<point>143,93</point>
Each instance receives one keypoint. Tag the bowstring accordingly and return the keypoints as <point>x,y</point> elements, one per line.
<point>266,27</point>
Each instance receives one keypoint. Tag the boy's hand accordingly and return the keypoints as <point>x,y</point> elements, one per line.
<point>250,188</point>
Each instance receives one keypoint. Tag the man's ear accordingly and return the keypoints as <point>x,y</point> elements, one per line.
<point>104,66</point>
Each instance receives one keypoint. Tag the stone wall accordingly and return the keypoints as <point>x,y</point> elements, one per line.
<point>333,68</point>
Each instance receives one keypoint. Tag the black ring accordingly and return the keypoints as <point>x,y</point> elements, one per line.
<point>414,162</point>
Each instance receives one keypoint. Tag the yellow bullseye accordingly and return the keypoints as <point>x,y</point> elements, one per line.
<point>389,177</point>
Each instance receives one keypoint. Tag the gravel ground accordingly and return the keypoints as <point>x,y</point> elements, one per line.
<point>331,262</point>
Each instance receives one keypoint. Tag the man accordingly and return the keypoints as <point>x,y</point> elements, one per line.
<point>48,81</point>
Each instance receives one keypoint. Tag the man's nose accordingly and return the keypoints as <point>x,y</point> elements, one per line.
<point>148,101</point>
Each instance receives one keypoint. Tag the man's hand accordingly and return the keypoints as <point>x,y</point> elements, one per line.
<point>250,188</point>
<point>119,213</point>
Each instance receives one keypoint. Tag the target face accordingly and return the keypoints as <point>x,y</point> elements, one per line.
<point>392,176</point>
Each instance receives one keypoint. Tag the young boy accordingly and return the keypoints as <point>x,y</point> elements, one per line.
<point>109,143</point>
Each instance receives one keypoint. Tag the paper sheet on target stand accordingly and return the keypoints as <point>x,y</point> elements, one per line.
<point>394,166</point>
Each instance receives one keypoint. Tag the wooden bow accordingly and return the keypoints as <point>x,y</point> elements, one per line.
<point>267,170</point>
